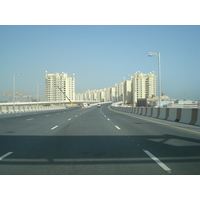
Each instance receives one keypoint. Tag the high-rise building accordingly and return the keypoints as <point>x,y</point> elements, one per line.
<point>57,84</point>
<point>143,86</point>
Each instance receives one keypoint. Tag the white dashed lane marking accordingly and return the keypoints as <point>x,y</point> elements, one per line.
<point>29,119</point>
<point>117,127</point>
<point>161,164</point>
<point>5,155</point>
<point>54,127</point>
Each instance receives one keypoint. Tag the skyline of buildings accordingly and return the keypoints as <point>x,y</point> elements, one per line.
<point>140,90</point>
<point>140,86</point>
<point>60,87</point>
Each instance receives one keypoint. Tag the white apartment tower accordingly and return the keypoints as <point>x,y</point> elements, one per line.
<point>59,80</point>
<point>143,86</point>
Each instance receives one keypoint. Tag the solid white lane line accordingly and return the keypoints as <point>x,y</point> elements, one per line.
<point>54,127</point>
<point>30,119</point>
<point>161,164</point>
<point>117,127</point>
<point>5,155</point>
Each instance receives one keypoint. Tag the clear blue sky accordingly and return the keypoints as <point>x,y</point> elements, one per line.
<point>100,56</point>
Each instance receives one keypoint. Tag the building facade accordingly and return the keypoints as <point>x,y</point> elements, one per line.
<point>58,86</point>
<point>143,86</point>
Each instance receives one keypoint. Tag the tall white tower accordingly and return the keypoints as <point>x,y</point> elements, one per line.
<point>59,80</point>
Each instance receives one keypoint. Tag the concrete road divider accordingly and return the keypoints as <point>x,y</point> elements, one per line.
<point>182,115</point>
<point>144,111</point>
<point>10,109</point>
<point>4,109</point>
<point>174,114</point>
<point>156,112</point>
<point>164,113</point>
<point>189,116</point>
<point>149,112</point>
<point>198,118</point>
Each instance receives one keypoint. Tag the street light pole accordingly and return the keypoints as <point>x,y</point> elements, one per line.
<point>123,79</point>
<point>38,91</point>
<point>14,97</point>
<point>159,74</point>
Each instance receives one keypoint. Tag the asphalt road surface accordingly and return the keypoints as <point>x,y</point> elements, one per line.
<point>97,141</point>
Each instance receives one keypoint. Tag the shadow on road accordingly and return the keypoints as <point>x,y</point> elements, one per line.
<point>55,150</point>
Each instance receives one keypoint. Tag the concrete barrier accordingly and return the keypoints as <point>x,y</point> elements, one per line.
<point>21,108</point>
<point>140,110</point>
<point>149,112</point>
<point>183,115</point>
<point>144,111</point>
<point>194,116</point>
<point>16,109</point>
<point>26,109</point>
<point>188,116</point>
<point>156,112</point>
<point>33,108</point>
<point>4,109</point>
<point>174,114</point>
<point>40,108</point>
<point>198,118</point>
<point>164,113</point>
<point>10,109</point>
<point>136,110</point>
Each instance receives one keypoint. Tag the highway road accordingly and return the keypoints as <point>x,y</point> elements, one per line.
<point>97,141</point>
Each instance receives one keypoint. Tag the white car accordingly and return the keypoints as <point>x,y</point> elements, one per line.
<point>98,105</point>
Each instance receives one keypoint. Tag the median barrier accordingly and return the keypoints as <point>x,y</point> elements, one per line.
<point>188,116</point>
<point>2,109</point>
<point>132,109</point>
<point>164,113</point>
<point>26,109</point>
<point>155,112</point>
<point>140,110</point>
<point>149,112</point>
<point>5,109</point>
<point>127,109</point>
<point>194,116</point>
<point>174,114</point>
<point>198,118</point>
<point>10,109</point>
<point>33,108</point>
<point>21,108</point>
<point>183,115</point>
<point>144,111</point>
<point>16,109</point>
<point>44,107</point>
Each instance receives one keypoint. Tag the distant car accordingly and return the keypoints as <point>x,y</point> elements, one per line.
<point>98,105</point>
